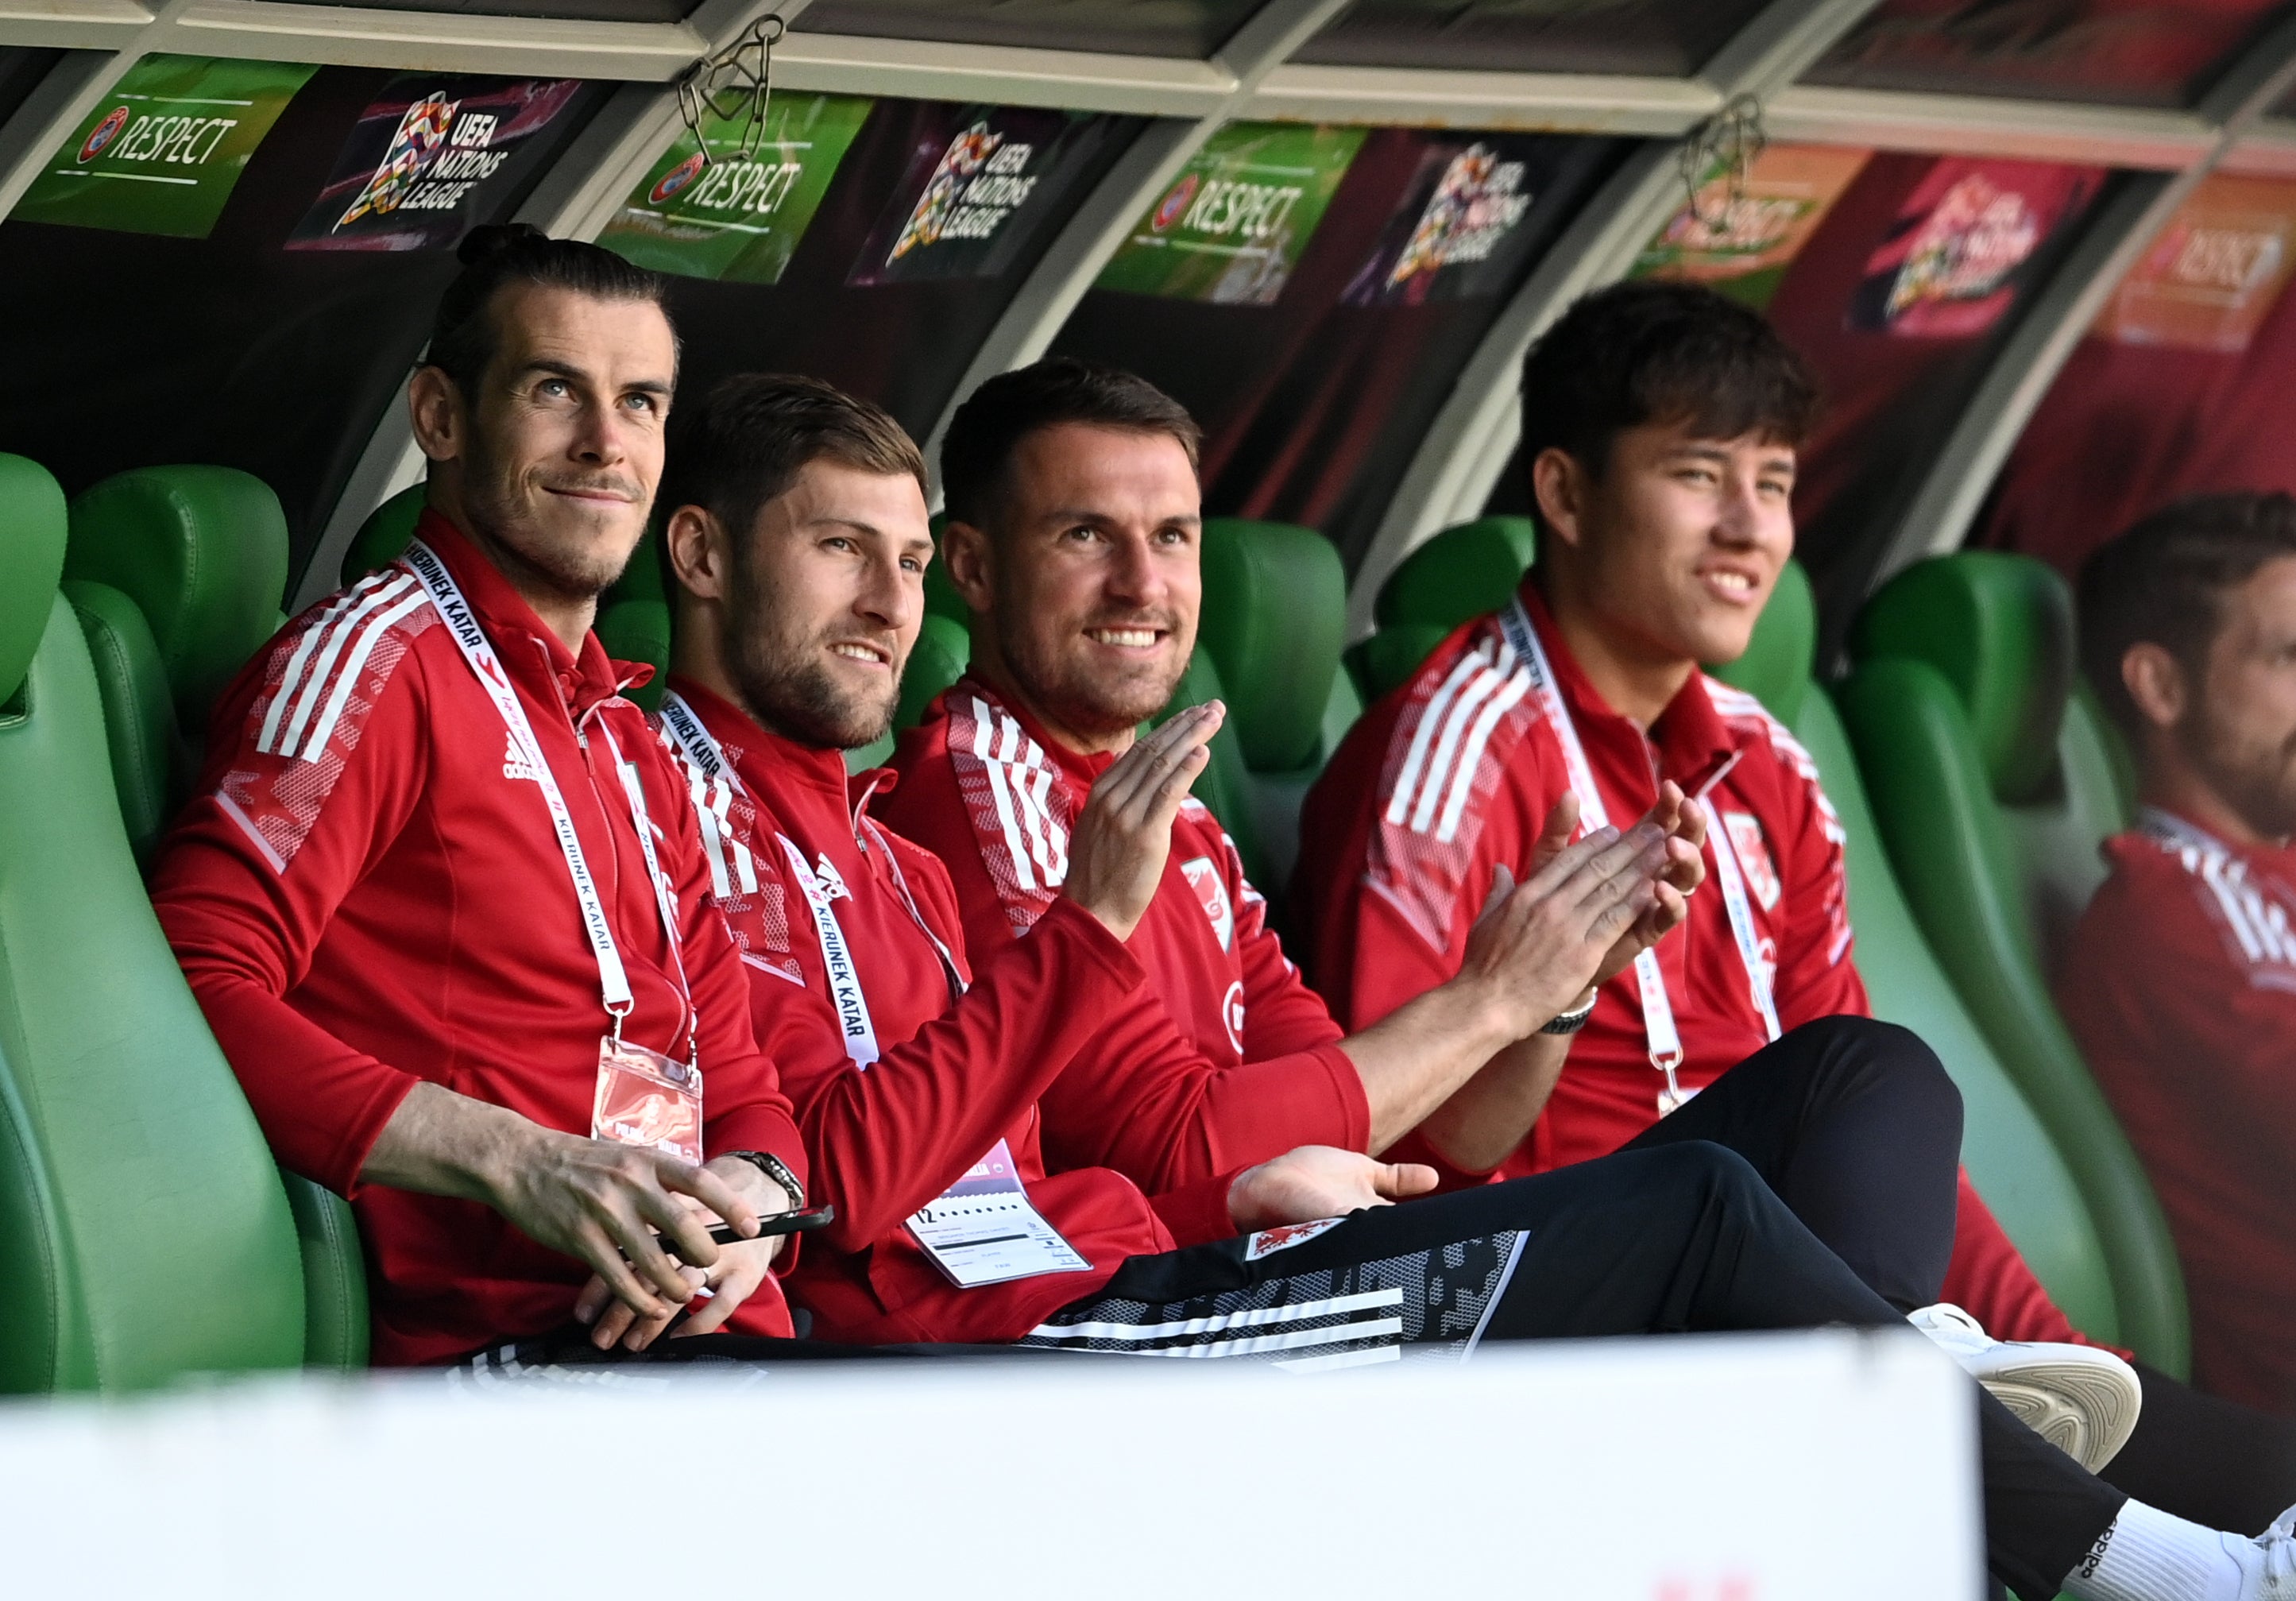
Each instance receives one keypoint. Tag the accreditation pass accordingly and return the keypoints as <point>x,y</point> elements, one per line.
<point>984,1230</point>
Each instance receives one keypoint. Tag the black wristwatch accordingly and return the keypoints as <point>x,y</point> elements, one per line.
<point>1570,1022</point>
<point>773,1167</point>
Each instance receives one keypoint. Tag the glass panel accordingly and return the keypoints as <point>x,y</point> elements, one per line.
<point>1184,28</point>
<point>914,243</point>
<point>2180,388</point>
<point>232,349</point>
<point>20,72</point>
<point>2160,53</point>
<point>1665,38</point>
<point>583,11</point>
<point>1316,369</point>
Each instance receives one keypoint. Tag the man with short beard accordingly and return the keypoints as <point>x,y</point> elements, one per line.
<point>439,896</point>
<point>2180,980</point>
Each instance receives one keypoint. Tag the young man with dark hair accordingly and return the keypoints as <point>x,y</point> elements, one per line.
<point>2180,980</point>
<point>440,898</point>
<point>907,1064</point>
<point>1660,423</point>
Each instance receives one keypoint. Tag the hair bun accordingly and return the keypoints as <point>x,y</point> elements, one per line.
<point>485,242</point>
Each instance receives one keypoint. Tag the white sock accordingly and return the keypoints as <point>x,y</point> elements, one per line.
<point>2148,1555</point>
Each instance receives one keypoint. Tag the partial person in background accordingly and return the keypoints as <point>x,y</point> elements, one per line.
<point>2180,981</point>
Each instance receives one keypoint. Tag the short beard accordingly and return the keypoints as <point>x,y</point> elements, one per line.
<point>577,574</point>
<point>784,684</point>
<point>1096,709</point>
<point>2266,800</point>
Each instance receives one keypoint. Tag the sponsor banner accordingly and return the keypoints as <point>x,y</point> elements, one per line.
<point>981,182</point>
<point>1459,232</point>
<point>1232,227</point>
<point>1954,260</point>
<point>163,152</point>
<point>706,211</point>
<point>2216,270</point>
<point>1739,239</point>
<point>431,157</point>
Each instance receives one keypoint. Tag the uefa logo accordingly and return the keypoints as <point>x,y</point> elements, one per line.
<point>1174,205</point>
<point>104,134</point>
<point>678,177</point>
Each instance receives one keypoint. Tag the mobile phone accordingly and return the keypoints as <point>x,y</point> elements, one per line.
<point>787,1222</point>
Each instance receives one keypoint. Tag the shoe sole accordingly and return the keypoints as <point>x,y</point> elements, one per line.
<point>2087,1410</point>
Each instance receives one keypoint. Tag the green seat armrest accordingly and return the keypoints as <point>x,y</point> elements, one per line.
<point>335,1327</point>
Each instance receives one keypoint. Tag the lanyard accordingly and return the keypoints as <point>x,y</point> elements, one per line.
<point>701,751</point>
<point>613,982</point>
<point>1658,1006</point>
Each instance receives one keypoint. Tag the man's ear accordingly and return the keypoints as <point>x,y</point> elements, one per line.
<point>434,405</point>
<point>969,557</point>
<point>1558,482</point>
<point>2155,680</point>
<point>699,554</point>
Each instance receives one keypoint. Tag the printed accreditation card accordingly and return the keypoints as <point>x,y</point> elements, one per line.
<point>645,1098</point>
<point>983,1230</point>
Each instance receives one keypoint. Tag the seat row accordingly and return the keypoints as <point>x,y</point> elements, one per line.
<point>143,1231</point>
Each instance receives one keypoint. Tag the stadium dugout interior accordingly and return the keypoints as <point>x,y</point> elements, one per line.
<point>2039,270</point>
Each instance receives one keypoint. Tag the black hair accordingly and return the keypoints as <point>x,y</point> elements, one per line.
<point>463,336</point>
<point>2162,582</point>
<point>992,421</point>
<point>1646,351</point>
<point>753,432</point>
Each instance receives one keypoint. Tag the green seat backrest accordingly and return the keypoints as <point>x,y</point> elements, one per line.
<point>1462,572</point>
<point>1993,784</point>
<point>2010,1156</point>
<point>169,531</point>
<point>144,1232</point>
<point>1226,784</point>
<point>384,534</point>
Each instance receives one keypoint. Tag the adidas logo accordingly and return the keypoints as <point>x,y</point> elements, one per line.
<point>515,764</point>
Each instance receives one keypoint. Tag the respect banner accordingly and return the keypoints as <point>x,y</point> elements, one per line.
<point>1739,239</point>
<point>2216,270</point>
<point>981,181</point>
<point>1234,224</point>
<point>704,212</point>
<point>163,152</point>
<point>430,158</point>
<point>1463,228</point>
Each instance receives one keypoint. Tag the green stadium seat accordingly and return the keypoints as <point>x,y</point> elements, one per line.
<point>144,1232</point>
<point>1462,572</point>
<point>383,535</point>
<point>161,535</point>
<point>2009,1154</point>
<point>1994,782</point>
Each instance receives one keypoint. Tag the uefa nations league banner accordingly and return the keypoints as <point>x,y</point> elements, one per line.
<point>163,152</point>
<point>432,156</point>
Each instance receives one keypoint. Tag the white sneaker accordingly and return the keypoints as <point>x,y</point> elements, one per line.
<point>2267,1564</point>
<point>2080,1399</point>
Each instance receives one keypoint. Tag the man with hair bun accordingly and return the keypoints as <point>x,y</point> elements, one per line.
<point>439,894</point>
<point>2180,979</point>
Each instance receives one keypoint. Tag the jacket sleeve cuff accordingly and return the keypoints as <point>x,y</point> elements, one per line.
<point>766,1129</point>
<point>1068,921</point>
<point>1197,1213</point>
<point>1353,1106</point>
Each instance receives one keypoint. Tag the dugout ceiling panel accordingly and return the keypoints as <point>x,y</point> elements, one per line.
<point>1657,38</point>
<point>2138,52</point>
<point>272,338</point>
<point>1193,28</point>
<point>580,10</point>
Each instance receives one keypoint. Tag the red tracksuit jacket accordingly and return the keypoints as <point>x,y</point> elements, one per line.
<point>2180,984</point>
<point>952,1077</point>
<point>367,894</point>
<point>1400,837</point>
<point>1225,1058</point>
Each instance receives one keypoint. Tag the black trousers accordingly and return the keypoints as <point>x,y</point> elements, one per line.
<point>1682,1237</point>
<point>1856,1126</point>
